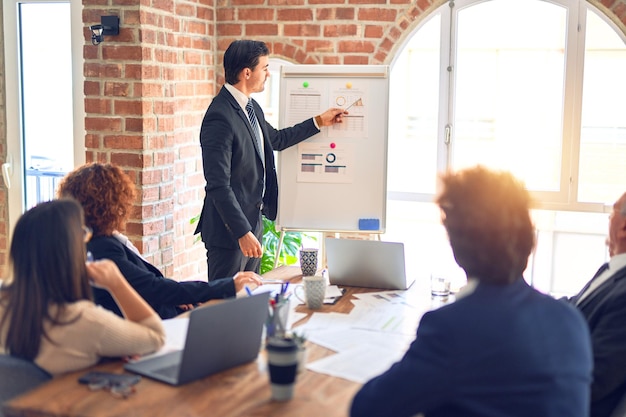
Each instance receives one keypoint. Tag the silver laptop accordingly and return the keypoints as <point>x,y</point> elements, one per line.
<point>366,263</point>
<point>219,337</point>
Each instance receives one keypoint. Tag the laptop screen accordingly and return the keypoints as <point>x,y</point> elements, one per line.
<point>366,263</point>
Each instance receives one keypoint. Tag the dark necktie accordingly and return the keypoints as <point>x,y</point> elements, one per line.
<point>603,268</point>
<point>255,128</point>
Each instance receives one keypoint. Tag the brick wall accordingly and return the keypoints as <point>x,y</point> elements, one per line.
<point>146,91</point>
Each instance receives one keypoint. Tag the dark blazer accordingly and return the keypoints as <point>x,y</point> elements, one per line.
<point>163,294</point>
<point>501,351</point>
<point>605,312</point>
<point>234,171</point>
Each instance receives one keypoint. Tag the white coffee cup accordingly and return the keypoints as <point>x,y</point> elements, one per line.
<point>314,291</point>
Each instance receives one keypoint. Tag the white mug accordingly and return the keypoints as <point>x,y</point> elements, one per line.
<point>314,291</point>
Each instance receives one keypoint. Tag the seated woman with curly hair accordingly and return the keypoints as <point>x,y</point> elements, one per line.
<point>107,194</point>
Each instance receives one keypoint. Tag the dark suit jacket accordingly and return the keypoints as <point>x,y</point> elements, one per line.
<point>605,312</point>
<point>234,172</point>
<point>163,294</point>
<point>502,351</point>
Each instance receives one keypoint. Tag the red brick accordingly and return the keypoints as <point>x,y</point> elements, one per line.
<point>302,30</point>
<point>225,14</point>
<point>372,31</point>
<point>184,9</point>
<point>165,5</point>
<point>294,15</point>
<point>360,2</point>
<point>102,70</point>
<point>256,14</point>
<point>331,60</point>
<point>205,13</point>
<point>355,46</point>
<point>127,159</point>
<point>118,89</point>
<point>121,52</point>
<point>355,60</point>
<point>151,177</point>
<point>279,3</point>
<point>123,142</point>
<point>334,31</point>
<point>198,28</point>
<point>92,141</point>
<point>192,57</point>
<point>102,124</point>
<point>262,29</point>
<point>97,105</point>
<point>335,13</point>
<point>130,17</point>
<point>235,29</point>
<point>91,88</point>
<point>148,90</point>
<point>377,14</point>
<point>129,107</point>
<point>134,125</point>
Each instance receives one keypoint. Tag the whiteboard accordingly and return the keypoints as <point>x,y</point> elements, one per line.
<point>336,180</point>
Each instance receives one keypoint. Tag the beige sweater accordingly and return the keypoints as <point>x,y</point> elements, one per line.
<point>96,333</point>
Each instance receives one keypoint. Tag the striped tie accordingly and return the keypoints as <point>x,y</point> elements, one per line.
<point>255,128</point>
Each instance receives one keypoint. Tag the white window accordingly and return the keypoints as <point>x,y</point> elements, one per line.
<point>527,86</point>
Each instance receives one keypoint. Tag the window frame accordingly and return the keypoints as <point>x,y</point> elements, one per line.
<point>566,198</point>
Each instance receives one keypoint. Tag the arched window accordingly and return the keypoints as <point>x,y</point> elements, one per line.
<point>530,86</point>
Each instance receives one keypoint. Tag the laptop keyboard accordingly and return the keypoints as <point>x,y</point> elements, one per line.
<point>169,371</point>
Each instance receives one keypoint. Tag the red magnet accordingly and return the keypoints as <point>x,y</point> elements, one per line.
<point>332,145</point>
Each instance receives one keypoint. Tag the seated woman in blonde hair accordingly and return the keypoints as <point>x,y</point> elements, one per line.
<point>107,194</point>
<point>46,310</point>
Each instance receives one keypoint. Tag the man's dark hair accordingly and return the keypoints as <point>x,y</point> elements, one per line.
<point>242,54</point>
<point>486,215</point>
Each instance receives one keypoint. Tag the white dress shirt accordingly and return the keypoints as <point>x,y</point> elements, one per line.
<point>616,263</point>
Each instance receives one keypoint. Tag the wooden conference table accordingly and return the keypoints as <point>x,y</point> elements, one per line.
<point>242,391</point>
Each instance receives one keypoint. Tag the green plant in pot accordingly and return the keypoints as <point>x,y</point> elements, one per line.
<point>288,251</point>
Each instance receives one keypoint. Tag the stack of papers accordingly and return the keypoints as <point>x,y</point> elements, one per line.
<point>375,335</point>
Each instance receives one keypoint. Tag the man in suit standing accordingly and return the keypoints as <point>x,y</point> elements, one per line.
<point>502,348</point>
<point>238,160</point>
<point>603,303</point>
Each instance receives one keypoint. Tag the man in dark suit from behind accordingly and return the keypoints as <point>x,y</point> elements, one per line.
<point>603,303</point>
<point>502,349</point>
<point>238,147</point>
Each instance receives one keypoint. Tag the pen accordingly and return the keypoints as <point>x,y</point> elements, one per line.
<point>248,291</point>
<point>286,286</point>
<point>271,281</point>
<point>355,101</point>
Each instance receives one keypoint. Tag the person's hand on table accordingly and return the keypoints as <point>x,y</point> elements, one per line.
<point>246,279</point>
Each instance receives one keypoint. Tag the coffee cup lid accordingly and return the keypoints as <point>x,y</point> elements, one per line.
<point>278,344</point>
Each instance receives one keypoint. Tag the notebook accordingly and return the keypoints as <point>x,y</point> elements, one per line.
<point>366,263</point>
<point>219,337</point>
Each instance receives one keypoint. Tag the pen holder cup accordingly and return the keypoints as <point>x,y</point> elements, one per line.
<point>308,261</point>
<point>278,318</point>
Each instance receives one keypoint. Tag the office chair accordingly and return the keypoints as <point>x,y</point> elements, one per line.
<point>18,376</point>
